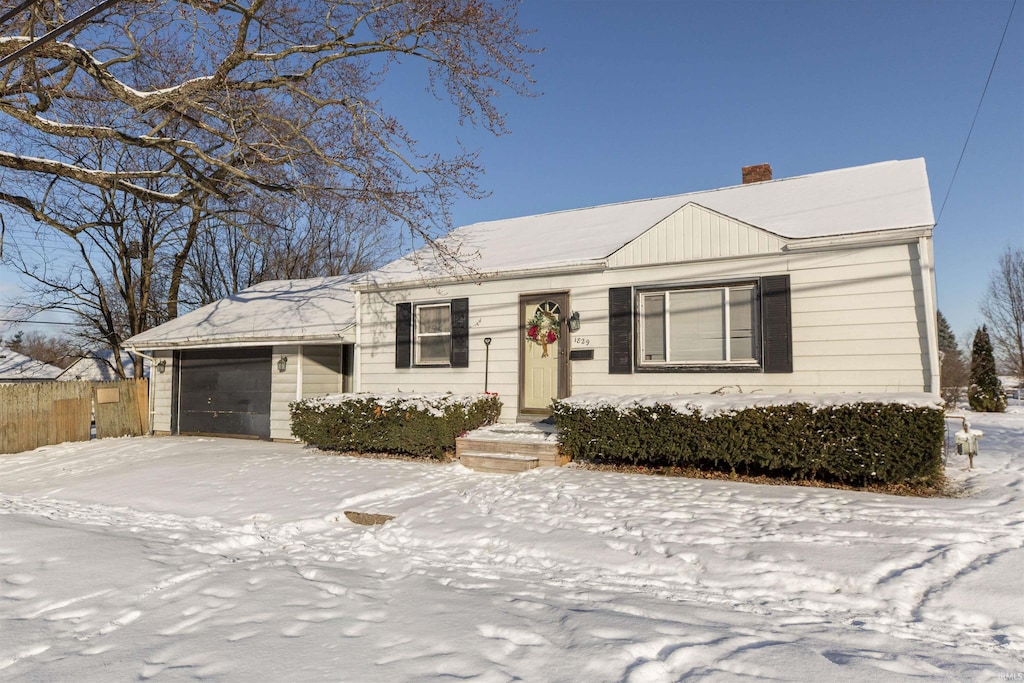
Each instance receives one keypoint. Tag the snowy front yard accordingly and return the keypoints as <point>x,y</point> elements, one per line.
<point>181,558</point>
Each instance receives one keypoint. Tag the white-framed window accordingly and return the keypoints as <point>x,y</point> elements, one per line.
<point>432,333</point>
<point>706,325</point>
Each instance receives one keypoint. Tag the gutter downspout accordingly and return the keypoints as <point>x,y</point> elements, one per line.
<point>925,258</point>
<point>357,384</point>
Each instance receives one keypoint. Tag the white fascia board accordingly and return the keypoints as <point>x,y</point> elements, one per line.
<point>859,239</point>
<point>476,278</point>
<point>341,337</point>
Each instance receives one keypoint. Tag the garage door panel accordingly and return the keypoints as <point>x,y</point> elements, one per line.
<point>230,423</point>
<point>225,391</point>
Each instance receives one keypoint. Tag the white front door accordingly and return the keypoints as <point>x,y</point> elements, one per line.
<point>543,357</point>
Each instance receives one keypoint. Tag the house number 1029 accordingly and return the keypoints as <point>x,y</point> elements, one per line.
<point>581,341</point>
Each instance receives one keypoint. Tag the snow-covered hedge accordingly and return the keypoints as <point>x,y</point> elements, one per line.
<point>411,424</point>
<point>853,439</point>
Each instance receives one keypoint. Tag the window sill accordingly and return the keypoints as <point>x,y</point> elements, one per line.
<point>716,368</point>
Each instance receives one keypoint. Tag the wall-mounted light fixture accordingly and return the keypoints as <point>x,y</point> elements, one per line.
<point>574,322</point>
<point>161,366</point>
<point>282,364</point>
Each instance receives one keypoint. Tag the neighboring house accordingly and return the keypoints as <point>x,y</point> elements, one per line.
<point>232,367</point>
<point>819,283</point>
<point>99,366</point>
<point>17,368</point>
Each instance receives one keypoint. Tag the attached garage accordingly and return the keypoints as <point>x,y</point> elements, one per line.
<point>232,368</point>
<point>225,391</point>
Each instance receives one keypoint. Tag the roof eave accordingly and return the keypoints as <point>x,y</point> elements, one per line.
<point>874,238</point>
<point>340,337</point>
<point>505,274</point>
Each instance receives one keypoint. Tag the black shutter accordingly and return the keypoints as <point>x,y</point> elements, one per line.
<point>460,333</point>
<point>776,324</point>
<point>403,335</point>
<point>620,330</point>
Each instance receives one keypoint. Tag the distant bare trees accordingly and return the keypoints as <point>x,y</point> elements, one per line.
<point>152,146</point>
<point>1003,308</point>
<point>294,239</point>
<point>55,350</point>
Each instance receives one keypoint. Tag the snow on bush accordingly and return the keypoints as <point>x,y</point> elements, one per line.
<point>852,439</point>
<point>422,424</point>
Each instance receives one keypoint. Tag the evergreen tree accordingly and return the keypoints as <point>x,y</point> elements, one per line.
<point>15,342</point>
<point>953,371</point>
<point>986,391</point>
<point>947,340</point>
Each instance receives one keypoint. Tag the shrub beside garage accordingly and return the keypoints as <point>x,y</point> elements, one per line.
<point>855,439</point>
<point>423,425</point>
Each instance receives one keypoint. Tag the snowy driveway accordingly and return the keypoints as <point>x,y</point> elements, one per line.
<point>179,559</point>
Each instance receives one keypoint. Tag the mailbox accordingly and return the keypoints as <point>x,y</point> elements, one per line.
<point>967,441</point>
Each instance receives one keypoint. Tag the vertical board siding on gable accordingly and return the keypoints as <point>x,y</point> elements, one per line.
<point>694,233</point>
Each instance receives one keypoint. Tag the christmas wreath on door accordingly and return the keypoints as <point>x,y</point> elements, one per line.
<point>545,326</point>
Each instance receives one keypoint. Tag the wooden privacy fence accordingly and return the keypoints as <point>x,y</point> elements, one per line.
<point>42,413</point>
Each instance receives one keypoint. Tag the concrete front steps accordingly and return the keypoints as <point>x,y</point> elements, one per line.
<point>510,448</point>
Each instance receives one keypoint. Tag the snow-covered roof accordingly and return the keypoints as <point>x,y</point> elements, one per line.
<point>98,366</point>
<point>17,367</point>
<point>270,312</point>
<point>878,197</point>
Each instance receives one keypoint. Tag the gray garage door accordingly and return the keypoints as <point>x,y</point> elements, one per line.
<point>225,391</point>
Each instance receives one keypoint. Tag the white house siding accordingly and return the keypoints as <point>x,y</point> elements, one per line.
<point>695,233</point>
<point>160,387</point>
<point>321,370</point>
<point>857,314</point>
<point>283,390</point>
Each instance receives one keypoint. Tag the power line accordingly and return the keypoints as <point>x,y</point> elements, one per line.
<point>17,10</point>
<point>34,322</point>
<point>52,35</point>
<point>976,112</point>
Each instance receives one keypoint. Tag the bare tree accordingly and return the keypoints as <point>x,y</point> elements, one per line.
<point>135,134</point>
<point>1003,308</point>
<point>295,239</point>
<point>55,350</point>
<point>112,272</point>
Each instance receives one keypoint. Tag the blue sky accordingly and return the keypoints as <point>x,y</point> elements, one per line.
<point>649,98</point>
<point>643,99</point>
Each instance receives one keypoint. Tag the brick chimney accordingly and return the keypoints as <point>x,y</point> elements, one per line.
<point>757,174</point>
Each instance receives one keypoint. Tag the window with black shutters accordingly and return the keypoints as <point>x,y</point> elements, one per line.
<point>432,334</point>
<point>711,327</point>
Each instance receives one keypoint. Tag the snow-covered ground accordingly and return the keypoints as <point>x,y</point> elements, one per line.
<point>183,558</point>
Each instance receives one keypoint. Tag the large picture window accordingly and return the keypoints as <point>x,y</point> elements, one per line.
<point>715,325</point>
<point>433,333</point>
<point>739,326</point>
